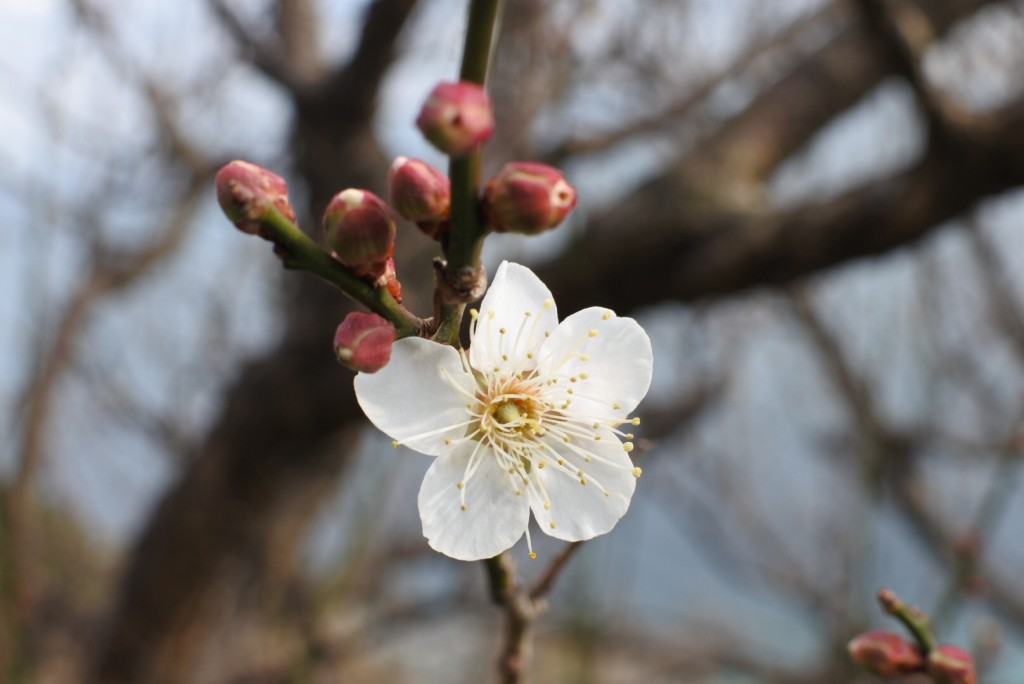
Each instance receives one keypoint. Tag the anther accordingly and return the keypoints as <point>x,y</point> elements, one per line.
<point>490,314</point>
<point>584,357</point>
<point>533,555</point>
<point>461,485</point>
<point>549,304</point>
<point>447,440</point>
<point>462,507</point>
<point>474,314</point>
<point>502,331</point>
<point>553,524</point>
<point>592,333</point>
<point>583,481</point>
<point>627,447</point>
<point>616,406</point>
<point>584,376</point>
<point>637,472</point>
<point>607,315</point>
<point>394,443</point>
<point>635,421</point>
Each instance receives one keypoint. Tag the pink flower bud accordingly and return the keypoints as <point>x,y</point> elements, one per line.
<point>363,341</point>
<point>885,654</point>
<point>245,193</point>
<point>951,665</point>
<point>419,192</point>
<point>528,198</point>
<point>457,117</point>
<point>360,228</point>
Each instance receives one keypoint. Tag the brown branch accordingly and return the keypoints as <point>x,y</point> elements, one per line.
<point>681,248</point>
<point>784,117</point>
<point>522,606</point>
<point>1005,310</point>
<point>271,60</point>
<point>354,88</point>
<point>105,280</point>
<point>678,110</point>
<point>895,463</point>
<point>546,582</point>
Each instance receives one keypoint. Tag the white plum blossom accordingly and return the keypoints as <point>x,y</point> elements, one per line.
<point>527,420</point>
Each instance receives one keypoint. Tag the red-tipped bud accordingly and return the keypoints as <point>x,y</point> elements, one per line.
<point>951,665</point>
<point>246,191</point>
<point>389,279</point>
<point>457,117</point>
<point>528,198</point>
<point>363,342</point>
<point>419,192</point>
<point>885,654</point>
<point>360,228</point>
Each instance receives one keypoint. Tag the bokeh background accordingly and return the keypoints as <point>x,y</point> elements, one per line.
<point>815,208</point>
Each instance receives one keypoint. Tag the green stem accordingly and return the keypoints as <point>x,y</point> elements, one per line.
<point>299,252</point>
<point>466,232</point>
<point>913,618</point>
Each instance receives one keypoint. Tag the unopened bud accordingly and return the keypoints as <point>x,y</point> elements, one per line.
<point>420,192</point>
<point>528,198</point>
<point>360,228</point>
<point>246,191</point>
<point>949,664</point>
<point>363,341</point>
<point>457,117</point>
<point>885,654</point>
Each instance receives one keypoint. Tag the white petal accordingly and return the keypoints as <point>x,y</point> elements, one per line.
<point>581,511</point>
<point>609,356</point>
<point>495,517</point>
<point>521,305</point>
<point>423,389</point>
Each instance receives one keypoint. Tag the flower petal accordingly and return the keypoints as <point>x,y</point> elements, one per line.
<point>581,511</point>
<point>519,304</point>
<point>495,517</point>
<point>609,356</point>
<point>420,397</point>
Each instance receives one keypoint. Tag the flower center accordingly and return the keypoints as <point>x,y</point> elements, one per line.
<point>507,412</point>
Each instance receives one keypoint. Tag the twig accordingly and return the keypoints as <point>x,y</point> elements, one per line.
<point>297,251</point>
<point>462,271</point>
<point>522,607</point>
<point>547,580</point>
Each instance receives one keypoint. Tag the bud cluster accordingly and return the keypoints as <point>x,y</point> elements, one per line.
<point>524,197</point>
<point>890,656</point>
<point>360,228</point>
